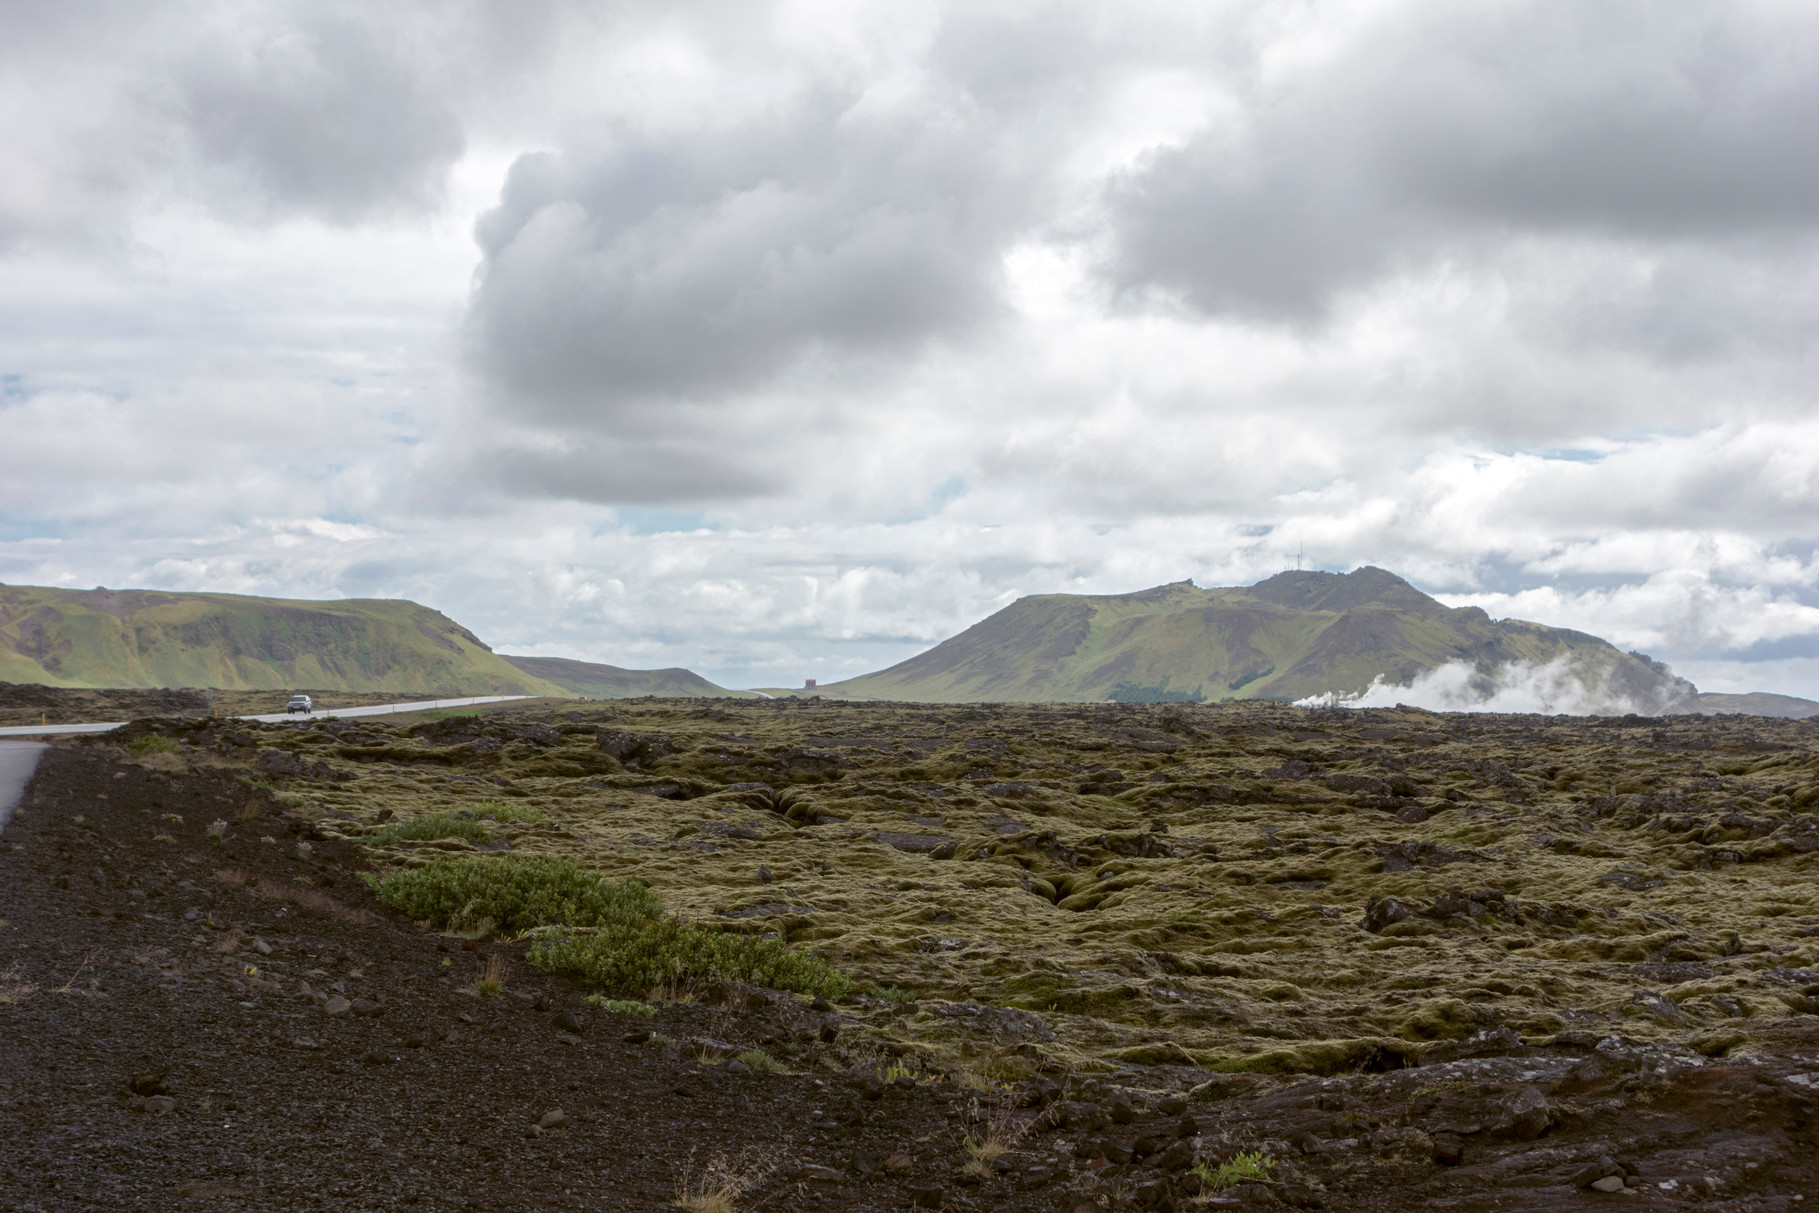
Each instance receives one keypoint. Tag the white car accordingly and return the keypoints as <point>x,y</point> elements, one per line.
<point>298,703</point>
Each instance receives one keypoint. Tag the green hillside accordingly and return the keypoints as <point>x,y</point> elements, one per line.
<point>1293,636</point>
<point>145,638</point>
<point>1757,703</point>
<point>610,682</point>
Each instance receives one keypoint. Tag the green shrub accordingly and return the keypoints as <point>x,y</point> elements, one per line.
<point>896,994</point>
<point>516,895</point>
<point>638,956</point>
<point>428,829</point>
<point>152,743</point>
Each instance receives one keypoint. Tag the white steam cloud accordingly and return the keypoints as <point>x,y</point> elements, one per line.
<point>1561,687</point>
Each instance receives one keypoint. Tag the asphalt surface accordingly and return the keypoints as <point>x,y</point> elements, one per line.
<point>18,759</point>
<point>377,709</point>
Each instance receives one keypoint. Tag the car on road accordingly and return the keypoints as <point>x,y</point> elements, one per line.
<point>299,703</point>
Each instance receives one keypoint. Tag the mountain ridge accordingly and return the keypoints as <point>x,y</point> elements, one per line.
<point>1289,637</point>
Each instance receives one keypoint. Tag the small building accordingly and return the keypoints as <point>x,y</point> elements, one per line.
<point>808,684</point>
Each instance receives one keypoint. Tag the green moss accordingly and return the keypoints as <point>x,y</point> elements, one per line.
<point>152,743</point>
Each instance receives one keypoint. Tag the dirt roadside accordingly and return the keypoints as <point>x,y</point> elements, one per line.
<point>201,1022</point>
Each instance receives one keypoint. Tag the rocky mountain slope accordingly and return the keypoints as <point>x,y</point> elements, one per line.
<point>145,638</point>
<point>1293,636</point>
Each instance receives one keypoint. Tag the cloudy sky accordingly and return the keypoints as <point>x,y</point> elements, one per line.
<point>783,339</point>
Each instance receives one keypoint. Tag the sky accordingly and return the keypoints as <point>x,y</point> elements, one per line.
<point>782,340</point>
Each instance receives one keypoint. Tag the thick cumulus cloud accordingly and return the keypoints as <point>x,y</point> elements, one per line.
<point>259,111</point>
<point>1419,135</point>
<point>335,114</point>
<point>686,267</point>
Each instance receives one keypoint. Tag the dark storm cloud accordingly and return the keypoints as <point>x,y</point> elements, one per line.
<point>1432,132</point>
<point>682,266</point>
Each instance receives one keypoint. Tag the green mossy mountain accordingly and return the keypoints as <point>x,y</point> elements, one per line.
<point>1293,636</point>
<point>597,681</point>
<point>147,638</point>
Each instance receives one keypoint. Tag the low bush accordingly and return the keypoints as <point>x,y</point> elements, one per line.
<point>152,743</point>
<point>428,829</point>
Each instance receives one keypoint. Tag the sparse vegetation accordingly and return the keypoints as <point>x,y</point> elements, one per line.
<point>760,1062</point>
<point>999,1130</point>
<point>620,1006</point>
<point>154,743</point>
<point>491,981</point>
<point>717,1186</point>
<point>1250,1167</point>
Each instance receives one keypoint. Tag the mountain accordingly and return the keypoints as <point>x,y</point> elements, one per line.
<point>1293,636</point>
<point>610,682</point>
<point>146,638</point>
<point>1757,703</point>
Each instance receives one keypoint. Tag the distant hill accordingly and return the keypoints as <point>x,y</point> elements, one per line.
<point>146,638</point>
<point>610,682</point>
<point>1293,636</point>
<point>1757,703</point>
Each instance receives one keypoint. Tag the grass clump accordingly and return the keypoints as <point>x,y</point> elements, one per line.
<point>760,1062</point>
<point>1250,1167</point>
<point>428,829</point>
<point>491,983</point>
<point>152,743</point>
<point>615,934</point>
<point>620,1006</point>
<point>895,994</point>
<point>516,895</point>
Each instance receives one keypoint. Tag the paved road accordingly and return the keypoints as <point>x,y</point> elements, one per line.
<point>18,759</point>
<point>378,709</point>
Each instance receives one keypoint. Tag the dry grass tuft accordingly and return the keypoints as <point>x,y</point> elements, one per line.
<point>718,1185</point>
<point>1000,1129</point>
<point>491,982</point>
